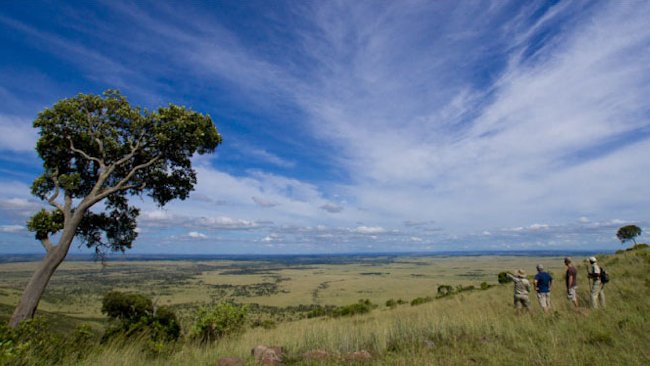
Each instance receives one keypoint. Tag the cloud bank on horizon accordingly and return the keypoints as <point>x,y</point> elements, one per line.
<point>372,126</point>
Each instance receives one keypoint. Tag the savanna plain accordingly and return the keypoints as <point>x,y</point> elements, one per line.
<point>417,310</point>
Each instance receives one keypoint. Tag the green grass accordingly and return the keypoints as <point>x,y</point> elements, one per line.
<point>470,328</point>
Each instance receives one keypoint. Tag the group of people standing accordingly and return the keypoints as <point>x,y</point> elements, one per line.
<point>543,282</point>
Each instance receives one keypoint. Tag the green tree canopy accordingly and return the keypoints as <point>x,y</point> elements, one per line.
<point>627,233</point>
<point>100,148</point>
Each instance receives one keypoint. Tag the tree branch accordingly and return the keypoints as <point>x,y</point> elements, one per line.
<point>57,189</point>
<point>47,244</point>
<point>67,209</point>
<point>130,186</point>
<point>120,186</point>
<point>129,155</point>
<point>85,155</point>
<point>101,147</point>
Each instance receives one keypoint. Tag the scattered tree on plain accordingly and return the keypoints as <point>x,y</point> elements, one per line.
<point>627,233</point>
<point>100,148</point>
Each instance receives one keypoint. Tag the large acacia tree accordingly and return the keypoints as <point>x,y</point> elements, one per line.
<point>628,232</point>
<point>98,148</point>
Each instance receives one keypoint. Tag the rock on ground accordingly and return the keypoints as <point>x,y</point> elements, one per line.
<point>268,356</point>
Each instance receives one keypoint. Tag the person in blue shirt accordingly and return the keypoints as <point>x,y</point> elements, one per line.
<point>543,282</point>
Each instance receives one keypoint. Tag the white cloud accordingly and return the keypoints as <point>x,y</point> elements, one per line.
<point>270,238</point>
<point>197,235</point>
<point>268,157</point>
<point>223,222</point>
<point>263,203</point>
<point>17,208</point>
<point>17,134</point>
<point>538,226</point>
<point>12,228</point>
<point>157,216</point>
<point>332,208</point>
<point>18,203</point>
<point>369,230</point>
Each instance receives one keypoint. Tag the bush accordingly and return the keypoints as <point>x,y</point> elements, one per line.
<point>362,307</point>
<point>134,314</point>
<point>216,321</point>
<point>34,343</point>
<point>421,300</point>
<point>123,306</point>
<point>391,304</point>
<point>165,325</point>
<point>444,290</point>
<point>461,288</point>
<point>318,312</point>
<point>503,278</point>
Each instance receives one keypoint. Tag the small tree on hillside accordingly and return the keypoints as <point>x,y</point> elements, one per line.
<point>627,233</point>
<point>100,148</point>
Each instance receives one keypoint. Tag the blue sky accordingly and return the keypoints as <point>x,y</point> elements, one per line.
<point>356,126</point>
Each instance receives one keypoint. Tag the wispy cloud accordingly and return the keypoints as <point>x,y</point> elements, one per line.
<point>441,122</point>
<point>263,203</point>
<point>332,208</point>
<point>197,235</point>
<point>369,230</point>
<point>17,134</point>
<point>12,228</point>
<point>269,158</point>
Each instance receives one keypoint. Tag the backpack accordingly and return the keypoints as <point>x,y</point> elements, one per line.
<point>604,276</point>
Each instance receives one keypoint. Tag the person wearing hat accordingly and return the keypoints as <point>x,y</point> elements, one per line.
<point>522,288</point>
<point>571,278</point>
<point>597,287</point>
<point>543,282</point>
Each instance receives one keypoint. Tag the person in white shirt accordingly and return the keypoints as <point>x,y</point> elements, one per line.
<point>597,287</point>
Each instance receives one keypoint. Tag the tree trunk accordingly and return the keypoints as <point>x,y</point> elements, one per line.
<point>37,284</point>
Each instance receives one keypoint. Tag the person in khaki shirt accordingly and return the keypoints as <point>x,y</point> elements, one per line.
<point>522,288</point>
<point>597,287</point>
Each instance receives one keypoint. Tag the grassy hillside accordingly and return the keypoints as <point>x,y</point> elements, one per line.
<point>478,327</point>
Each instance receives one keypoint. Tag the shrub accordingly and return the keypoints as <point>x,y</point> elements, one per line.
<point>318,312</point>
<point>421,300</point>
<point>123,306</point>
<point>34,343</point>
<point>362,307</point>
<point>503,278</point>
<point>444,290</point>
<point>165,324</point>
<point>216,321</point>
<point>391,304</point>
<point>461,288</point>
<point>134,314</point>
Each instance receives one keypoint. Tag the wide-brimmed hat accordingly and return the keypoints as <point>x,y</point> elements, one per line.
<point>521,273</point>
<point>592,259</point>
